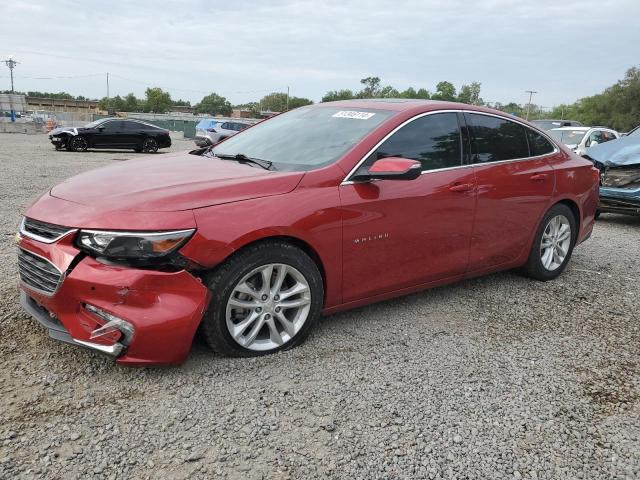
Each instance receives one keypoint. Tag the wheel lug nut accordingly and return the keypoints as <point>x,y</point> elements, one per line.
<point>258,309</point>
<point>264,297</point>
<point>277,309</point>
<point>276,298</point>
<point>267,316</point>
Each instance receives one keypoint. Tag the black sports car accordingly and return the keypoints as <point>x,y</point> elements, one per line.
<point>112,133</point>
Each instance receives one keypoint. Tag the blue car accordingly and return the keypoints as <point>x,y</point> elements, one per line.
<point>619,165</point>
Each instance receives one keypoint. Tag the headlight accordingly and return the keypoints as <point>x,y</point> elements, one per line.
<point>138,245</point>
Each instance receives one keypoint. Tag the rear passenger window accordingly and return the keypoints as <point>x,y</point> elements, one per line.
<point>538,144</point>
<point>433,140</point>
<point>495,139</point>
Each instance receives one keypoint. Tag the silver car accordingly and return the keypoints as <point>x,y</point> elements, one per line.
<point>210,132</point>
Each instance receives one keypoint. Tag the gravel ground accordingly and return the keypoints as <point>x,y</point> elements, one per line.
<point>497,377</point>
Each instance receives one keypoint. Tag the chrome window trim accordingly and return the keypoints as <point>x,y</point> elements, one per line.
<point>556,149</point>
<point>37,290</point>
<point>38,238</point>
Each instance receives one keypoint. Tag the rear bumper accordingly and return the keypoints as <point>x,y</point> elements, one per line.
<point>164,309</point>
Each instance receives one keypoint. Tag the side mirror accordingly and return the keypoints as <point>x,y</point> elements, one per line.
<point>100,129</point>
<point>392,168</point>
<point>593,143</point>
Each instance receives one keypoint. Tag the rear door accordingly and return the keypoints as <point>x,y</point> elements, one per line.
<point>132,133</point>
<point>399,234</point>
<point>515,184</point>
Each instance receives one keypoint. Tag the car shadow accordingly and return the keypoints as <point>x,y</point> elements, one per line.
<point>619,219</point>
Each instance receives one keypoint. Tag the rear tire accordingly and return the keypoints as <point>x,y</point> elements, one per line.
<point>552,245</point>
<point>249,331</point>
<point>150,145</point>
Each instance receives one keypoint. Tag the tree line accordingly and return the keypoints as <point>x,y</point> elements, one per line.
<point>617,107</point>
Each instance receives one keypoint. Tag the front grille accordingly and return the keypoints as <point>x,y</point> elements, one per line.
<point>45,232</point>
<point>38,273</point>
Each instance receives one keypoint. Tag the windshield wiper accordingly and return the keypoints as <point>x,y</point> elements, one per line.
<point>242,158</point>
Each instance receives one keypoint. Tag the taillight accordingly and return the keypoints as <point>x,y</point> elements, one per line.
<point>596,174</point>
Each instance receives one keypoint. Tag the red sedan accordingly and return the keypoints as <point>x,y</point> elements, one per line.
<point>323,208</point>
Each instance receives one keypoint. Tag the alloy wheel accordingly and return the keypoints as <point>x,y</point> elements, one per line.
<point>555,242</point>
<point>150,145</point>
<point>268,307</point>
<point>79,144</point>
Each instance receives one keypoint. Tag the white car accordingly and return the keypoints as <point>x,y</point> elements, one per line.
<point>210,132</point>
<point>580,138</point>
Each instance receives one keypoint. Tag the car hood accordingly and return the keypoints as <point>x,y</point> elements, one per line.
<point>58,131</point>
<point>172,182</point>
<point>616,153</point>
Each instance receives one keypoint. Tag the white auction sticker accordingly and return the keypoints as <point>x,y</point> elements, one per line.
<point>356,115</point>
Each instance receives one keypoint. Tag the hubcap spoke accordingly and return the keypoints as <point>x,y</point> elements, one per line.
<point>266,273</point>
<point>300,302</point>
<point>288,326</point>
<point>295,290</point>
<point>253,333</point>
<point>547,258</point>
<point>249,304</point>
<point>280,276</point>
<point>274,335</point>
<point>239,328</point>
<point>245,288</point>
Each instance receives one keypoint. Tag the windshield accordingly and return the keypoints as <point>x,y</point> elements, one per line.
<point>95,123</point>
<point>635,132</point>
<point>304,138</point>
<point>568,137</point>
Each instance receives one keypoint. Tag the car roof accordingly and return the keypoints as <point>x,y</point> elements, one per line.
<point>410,105</point>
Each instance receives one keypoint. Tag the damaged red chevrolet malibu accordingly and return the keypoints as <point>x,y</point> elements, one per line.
<point>323,208</point>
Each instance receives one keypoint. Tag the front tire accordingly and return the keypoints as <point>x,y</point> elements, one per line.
<point>553,244</point>
<point>79,144</point>
<point>265,299</point>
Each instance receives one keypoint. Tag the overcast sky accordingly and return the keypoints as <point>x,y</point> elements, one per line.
<point>242,50</point>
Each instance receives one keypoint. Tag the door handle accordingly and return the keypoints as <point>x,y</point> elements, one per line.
<point>460,187</point>
<point>538,177</point>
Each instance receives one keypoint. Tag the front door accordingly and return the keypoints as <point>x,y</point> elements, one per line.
<point>108,134</point>
<point>398,234</point>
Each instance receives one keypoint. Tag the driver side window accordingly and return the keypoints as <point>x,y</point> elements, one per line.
<point>595,136</point>
<point>110,126</point>
<point>433,140</point>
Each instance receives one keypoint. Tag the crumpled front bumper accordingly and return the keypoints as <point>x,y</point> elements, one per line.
<point>164,308</point>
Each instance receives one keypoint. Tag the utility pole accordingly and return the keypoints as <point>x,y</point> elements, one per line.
<point>530,92</point>
<point>11,63</point>
<point>287,109</point>
<point>107,86</point>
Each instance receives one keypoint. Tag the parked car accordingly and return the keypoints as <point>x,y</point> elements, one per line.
<point>579,139</point>
<point>619,165</point>
<point>254,239</point>
<point>112,133</point>
<point>211,132</point>
<point>547,124</point>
